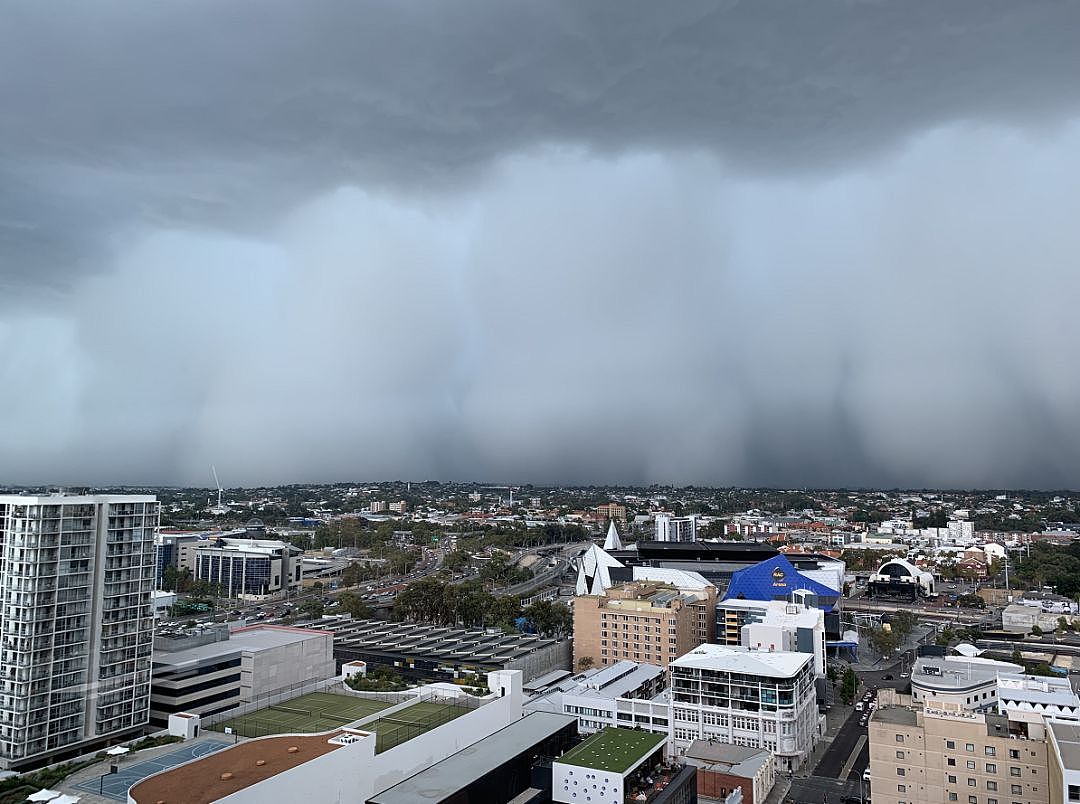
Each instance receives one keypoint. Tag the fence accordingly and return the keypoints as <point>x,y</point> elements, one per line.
<point>278,696</point>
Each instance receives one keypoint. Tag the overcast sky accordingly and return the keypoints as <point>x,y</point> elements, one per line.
<point>828,243</point>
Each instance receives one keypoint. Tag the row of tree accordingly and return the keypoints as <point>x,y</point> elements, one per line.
<point>469,604</point>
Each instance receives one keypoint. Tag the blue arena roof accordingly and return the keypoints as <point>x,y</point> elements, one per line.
<point>775,579</point>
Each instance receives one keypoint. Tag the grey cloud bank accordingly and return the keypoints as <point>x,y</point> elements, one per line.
<point>740,243</point>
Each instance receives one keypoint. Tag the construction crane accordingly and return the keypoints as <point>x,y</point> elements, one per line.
<point>220,508</point>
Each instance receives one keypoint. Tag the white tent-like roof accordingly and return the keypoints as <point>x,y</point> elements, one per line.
<point>612,542</point>
<point>593,577</point>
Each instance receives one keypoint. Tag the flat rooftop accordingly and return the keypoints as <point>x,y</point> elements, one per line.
<point>478,760</point>
<point>200,782</point>
<point>1066,737</point>
<point>739,659</point>
<point>896,715</point>
<point>614,750</point>
<point>490,647</point>
<point>253,638</point>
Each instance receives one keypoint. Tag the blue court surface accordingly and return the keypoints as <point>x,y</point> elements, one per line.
<point>115,785</point>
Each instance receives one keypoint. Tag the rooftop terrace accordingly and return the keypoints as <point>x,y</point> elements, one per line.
<point>223,773</point>
<point>614,750</point>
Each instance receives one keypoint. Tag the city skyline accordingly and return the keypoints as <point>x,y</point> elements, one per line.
<point>756,245</point>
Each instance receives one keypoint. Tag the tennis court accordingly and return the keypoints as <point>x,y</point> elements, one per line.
<point>411,722</point>
<point>314,712</point>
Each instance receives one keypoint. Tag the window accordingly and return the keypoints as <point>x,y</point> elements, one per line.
<point>950,744</point>
<point>1074,792</point>
<point>1016,789</point>
<point>971,764</point>
<point>899,754</point>
<point>1014,753</point>
<point>1014,771</point>
<point>991,786</point>
<point>989,750</point>
<point>901,772</point>
<point>970,747</point>
<point>971,782</point>
<point>991,767</point>
<point>899,738</point>
<point>952,796</point>
<point>951,761</point>
<point>991,801</point>
<point>973,800</point>
<point>952,780</point>
<point>901,788</point>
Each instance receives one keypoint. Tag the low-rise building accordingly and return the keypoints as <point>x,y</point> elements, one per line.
<point>970,683</point>
<point>1022,618</point>
<point>723,769</point>
<point>1036,698</point>
<point>430,653</point>
<point>347,765</point>
<point>619,765</point>
<point>212,671</point>
<point>625,694</point>
<point>251,569</point>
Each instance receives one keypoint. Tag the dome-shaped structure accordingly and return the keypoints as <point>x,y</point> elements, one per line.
<point>899,577</point>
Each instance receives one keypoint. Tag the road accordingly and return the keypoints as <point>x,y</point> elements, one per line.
<point>839,753</point>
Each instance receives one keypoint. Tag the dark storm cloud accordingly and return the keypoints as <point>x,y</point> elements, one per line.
<point>735,243</point>
<point>197,96</point>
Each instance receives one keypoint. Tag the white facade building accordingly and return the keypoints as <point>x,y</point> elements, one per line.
<point>77,620</point>
<point>758,699</point>
<point>1034,699</point>
<point>248,568</point>
<point>961,531</point>
<point>626,694</point>
<point>969,683</point>
<point>676,528</point>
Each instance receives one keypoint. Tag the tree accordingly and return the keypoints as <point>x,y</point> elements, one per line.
<point>944,637</point>
<point>584,663</point>
<point>549,618</point>
<point>312,608</point>
<point>457,560</point>
<point>849,685</point>
<point>884,640</point>
<point>1036,631</point>
<point>971,601</point>
<point>353,605</point>
<point>200,590</point>
<point>903,621</point>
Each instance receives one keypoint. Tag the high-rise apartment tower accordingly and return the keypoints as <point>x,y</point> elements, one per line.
<point>76,621</point>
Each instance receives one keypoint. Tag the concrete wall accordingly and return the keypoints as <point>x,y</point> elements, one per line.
<point>554,657</point>
<point>266,671</point>
<point>573,784</point>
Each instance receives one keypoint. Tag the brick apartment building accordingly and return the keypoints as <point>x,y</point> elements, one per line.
<point>642,621</point>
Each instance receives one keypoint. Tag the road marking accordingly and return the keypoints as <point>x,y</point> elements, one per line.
<point>854,755</point>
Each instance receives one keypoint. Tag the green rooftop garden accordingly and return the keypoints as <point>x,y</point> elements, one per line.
<point>613,750</point>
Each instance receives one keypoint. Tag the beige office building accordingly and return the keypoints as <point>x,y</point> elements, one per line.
<point>642,621</point>
<point>945,753</point>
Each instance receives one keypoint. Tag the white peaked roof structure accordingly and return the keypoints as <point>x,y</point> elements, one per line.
<point>612,542</point>
<point>592,576</point>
